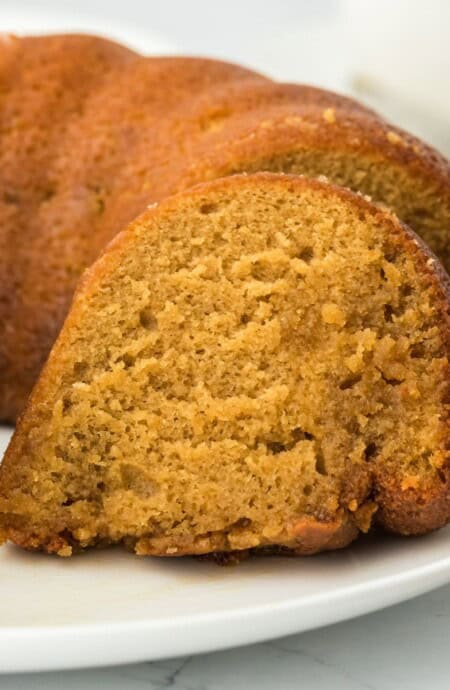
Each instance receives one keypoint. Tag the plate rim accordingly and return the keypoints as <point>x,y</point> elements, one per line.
<point>108,642</point>
<point>436,568</point>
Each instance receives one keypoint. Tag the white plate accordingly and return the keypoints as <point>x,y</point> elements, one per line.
<point>110,607</point>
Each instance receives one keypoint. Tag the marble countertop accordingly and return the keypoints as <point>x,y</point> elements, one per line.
<point>404,647</point>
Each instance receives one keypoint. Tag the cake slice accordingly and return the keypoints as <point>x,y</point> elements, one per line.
<point>260,362</point>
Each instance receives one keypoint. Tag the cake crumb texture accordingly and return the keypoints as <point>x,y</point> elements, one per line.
<point>258,363</point>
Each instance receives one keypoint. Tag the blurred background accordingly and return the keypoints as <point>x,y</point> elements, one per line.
<point>394,55</point>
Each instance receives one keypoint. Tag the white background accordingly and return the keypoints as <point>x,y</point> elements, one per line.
<point>396,56</point>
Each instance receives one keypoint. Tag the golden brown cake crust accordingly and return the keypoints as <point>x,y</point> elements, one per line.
<point>402,506</point>
<point>142,129</point>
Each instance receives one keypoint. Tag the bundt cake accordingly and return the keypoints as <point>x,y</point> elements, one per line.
<point>92,133</point>
<point>258,362</point>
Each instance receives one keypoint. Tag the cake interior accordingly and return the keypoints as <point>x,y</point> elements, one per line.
<point>417,200</point>
<point>245,357</point>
